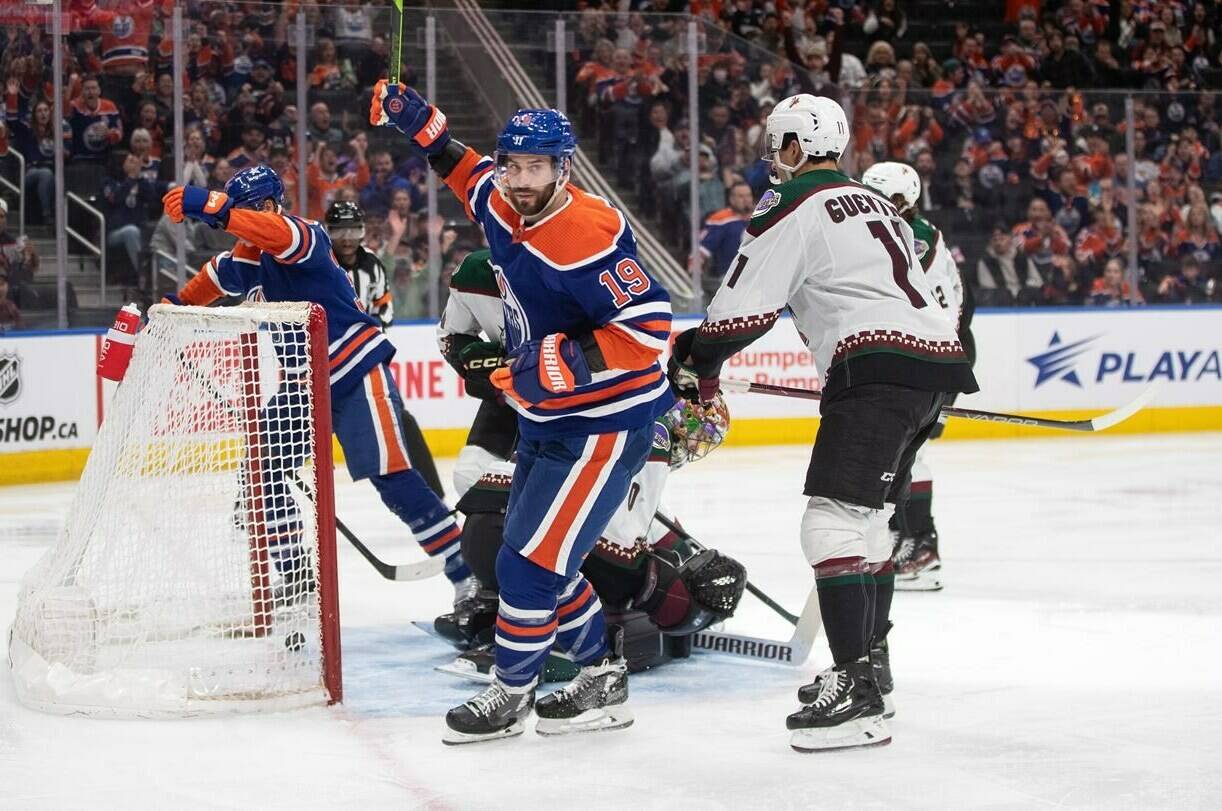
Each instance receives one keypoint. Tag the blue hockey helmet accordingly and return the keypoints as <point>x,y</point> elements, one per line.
<point>254,184</point>
<point>546,133</point>
<point>538,132</point>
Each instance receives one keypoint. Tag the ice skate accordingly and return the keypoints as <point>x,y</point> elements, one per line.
<point>474,614</point>
<point>847,712</point>
<point>917,565</point>
<point>880,659</point>
<point>492,714</point>
<point>593,701</point>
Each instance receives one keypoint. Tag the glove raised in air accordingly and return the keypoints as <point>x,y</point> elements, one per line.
<point>211,207</point>
<point>405,109</point>
<point>540,370</point>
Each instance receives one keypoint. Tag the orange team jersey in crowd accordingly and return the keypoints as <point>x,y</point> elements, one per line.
<point>125,27</point>
<point>320,191</point>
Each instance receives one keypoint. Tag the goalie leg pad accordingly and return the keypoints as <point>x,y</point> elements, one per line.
<point>833,529</point>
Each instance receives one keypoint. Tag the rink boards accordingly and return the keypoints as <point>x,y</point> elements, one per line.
<point>1057,363</point>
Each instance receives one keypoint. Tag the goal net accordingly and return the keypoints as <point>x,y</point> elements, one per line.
<point>195,572</point>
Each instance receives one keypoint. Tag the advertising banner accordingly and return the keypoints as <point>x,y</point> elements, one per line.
<point>48,392</point>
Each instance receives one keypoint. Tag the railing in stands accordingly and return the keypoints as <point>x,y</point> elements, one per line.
<point>98,250</point>
<point>18,188</point>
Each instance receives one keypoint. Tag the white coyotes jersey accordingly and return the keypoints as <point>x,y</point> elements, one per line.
<point>841,258</point>
<point>940,269</point>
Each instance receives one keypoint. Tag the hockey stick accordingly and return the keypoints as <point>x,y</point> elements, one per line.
<point>792,619</point>
<point>794,651</point>
<point>396,50</point>
<point>1094,424</point>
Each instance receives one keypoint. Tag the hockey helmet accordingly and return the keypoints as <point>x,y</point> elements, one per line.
<point>895,179</point>
<point>254,184</point>
<point>344,219</point>
<point>819,125</point>
<point>695,429</point>
<point>534,132</point>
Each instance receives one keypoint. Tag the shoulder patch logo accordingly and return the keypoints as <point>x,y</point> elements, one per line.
<point>769,200</point>
<point>921,246</point>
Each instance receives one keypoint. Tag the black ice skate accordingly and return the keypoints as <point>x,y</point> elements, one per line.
<point>493,714</point>
<point>592,702</point>
<point>916,562</point>
<point>880,660</point>
<point>471,621</point>
<point>846,713</point>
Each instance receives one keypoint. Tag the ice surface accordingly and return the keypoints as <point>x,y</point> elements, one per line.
<point>1072,661</point>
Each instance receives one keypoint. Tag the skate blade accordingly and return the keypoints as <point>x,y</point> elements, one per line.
<point>859,733</point>
<point>466,670</point>
<point>453,737</point>
<point>428,628</point>
<point>921,581</point>
<point>603,719</point>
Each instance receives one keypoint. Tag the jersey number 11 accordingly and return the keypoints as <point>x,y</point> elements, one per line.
<point>901,262</point>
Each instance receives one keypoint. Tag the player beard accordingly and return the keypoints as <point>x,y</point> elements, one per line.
<point>530,202</point>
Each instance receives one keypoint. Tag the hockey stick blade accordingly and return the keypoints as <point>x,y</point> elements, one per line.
<point>794,651</point>
<point>404,572</point>
<point>1094,424</point>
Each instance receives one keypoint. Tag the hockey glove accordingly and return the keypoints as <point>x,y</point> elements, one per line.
<point>683,379</point>
<point>211,207</point>
<point>479,360</point>
<point>407,110</point>
<point>543,369</point>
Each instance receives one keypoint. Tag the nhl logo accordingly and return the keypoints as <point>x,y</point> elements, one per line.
<point>10,378</point>
<point>394,105</point>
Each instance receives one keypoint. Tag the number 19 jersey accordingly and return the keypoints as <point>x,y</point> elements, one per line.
<point>840,257</point>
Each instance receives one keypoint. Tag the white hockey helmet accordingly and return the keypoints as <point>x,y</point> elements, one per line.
<point>895,179</point>
<point>819,123</point>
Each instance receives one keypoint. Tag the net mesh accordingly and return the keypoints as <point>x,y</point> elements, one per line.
<point>185,578</point>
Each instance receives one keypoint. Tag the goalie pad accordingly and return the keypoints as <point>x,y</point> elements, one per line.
<point>687,591</point>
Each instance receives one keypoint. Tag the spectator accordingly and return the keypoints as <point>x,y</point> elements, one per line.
<point>1069,208</point>
<point>323,177</point>
<point>1039,238</point>
<point>1063,67</point>
<point>35,141</point>
<point>887,23</point>
<point>95,122</point>
<point>131,200</point>
<point>1188,286</point>
<point>329,71</point>
<point>141,146</point>
<point>319,129</point>
<point>1004,274</point>
<point>10,315</point>
<point>710,189</point>
<point>400,223</point>
<point>253,150</point>
<point>17,254</point>
<point>383,182</point>
<point>197,163</point>
<point>1196,238</point>
<point>371,62</point>
<point>353,27</point>
<point>220,174</point>
<point>722,233</point>
<point>279,160</point>
<point>1111,289</point>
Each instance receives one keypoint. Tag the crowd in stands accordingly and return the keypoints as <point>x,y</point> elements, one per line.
<point>1014,126</point>
<point>239,93</point>
<point>1019,136</point>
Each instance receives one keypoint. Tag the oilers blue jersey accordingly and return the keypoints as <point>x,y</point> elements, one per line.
<point>575,272</point>
<point>280,257</point>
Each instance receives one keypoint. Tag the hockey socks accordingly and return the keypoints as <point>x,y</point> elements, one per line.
<point>884,590</point>
<point>846,601</point>
<point>433,526</point>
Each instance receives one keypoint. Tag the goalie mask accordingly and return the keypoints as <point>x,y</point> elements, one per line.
<point>817,123</point>
<point>695,429</point>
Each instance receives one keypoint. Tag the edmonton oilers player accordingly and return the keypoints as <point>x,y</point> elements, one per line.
<point>585,326</point>
<point>279,257</point>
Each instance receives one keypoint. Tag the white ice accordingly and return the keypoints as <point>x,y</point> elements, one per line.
<point>1072,661</point>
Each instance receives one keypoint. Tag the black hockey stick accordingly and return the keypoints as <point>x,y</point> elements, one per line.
<point>751,587</point>
<point>1100,423</point>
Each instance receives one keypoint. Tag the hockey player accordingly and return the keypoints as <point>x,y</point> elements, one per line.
<point>346,226</point>
<point>279,257</point>
<point>584,328</point>
<point>660,588</point>
<point>915,554</point>
<point>839,257</point>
